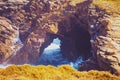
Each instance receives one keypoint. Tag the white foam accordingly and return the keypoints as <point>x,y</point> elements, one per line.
<point>52,46</point>
<point>4,66</point>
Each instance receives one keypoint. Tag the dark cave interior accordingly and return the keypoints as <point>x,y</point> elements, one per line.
<point>76,43</point>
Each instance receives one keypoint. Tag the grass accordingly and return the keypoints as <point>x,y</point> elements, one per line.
<point>65,72</point>
<point>75,2</point>
<point>111,6</point>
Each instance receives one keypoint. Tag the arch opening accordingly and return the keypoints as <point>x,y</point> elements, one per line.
<point>51,55</point>
<point>72,48</point>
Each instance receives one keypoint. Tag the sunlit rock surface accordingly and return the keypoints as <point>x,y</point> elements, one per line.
<point>9,36</point>
<point>105,38</point>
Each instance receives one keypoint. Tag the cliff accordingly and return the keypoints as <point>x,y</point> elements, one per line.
<point>87,28</point>
<point>8,39</point>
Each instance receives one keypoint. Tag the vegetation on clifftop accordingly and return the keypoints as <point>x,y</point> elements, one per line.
<point>75,2</point>
<point>65,72</point>
<point>110,6</point>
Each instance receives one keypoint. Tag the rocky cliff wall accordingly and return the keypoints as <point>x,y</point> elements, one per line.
<point>87,28</point>
<point>9,39</point>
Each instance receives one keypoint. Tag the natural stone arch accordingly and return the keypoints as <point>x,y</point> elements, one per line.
<point>75,43</point>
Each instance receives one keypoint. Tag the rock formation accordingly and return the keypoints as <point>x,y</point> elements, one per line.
<point>105,41</point>
<point>9,36</point>
<point>87,28</point>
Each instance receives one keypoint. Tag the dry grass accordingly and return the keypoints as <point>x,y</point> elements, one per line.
<point>65,72</point>
<point>111,6</point>
<point>75,2</point>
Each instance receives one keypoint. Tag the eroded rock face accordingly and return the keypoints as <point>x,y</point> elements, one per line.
<point>86,29</point>
<point>35,21</point>
<point>39,18</point>
<point>8,39</point>
<point>9,7</point>
<point>108,55</point>
<point>105,43</point>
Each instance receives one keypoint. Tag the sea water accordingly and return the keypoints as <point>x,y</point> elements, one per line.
<point>52,56</point>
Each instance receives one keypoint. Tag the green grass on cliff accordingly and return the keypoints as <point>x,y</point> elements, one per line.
<point>27,72</point>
